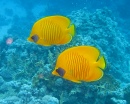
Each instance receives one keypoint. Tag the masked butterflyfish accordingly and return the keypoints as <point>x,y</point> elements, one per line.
<point>52,30</point>
<point>81,63</point>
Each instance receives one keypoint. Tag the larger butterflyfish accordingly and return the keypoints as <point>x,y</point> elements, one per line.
<point>81,63</point>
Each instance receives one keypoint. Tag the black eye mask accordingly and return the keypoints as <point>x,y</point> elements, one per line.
<point>60,71</point>
<point>35,38</point>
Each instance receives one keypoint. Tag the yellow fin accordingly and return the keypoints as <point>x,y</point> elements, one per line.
<point>95,74</point>
<point>71,79</point>
<point>89,52</point>
<point>47,45</point>
<point>92,53</point>
<point>101,62</point>
<point>66,39</point>
<point>76,81</point>
<point>72,29</point>
<point>61,20</point>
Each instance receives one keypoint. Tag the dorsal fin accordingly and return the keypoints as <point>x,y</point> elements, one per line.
<point>88,52</point>
<point>61,20</point>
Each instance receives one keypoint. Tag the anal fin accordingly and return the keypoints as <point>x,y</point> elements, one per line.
<point>68,77</point>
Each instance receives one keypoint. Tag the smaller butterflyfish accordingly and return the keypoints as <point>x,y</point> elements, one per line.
<point>81,63</point>
<point>52,30</point>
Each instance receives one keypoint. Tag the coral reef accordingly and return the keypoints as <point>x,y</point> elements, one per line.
<point>101,30</point>
<point>127,93</point>
<point>25,69</point>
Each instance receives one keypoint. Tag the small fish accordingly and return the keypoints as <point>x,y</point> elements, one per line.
<point>52,30</point>
<point>81,63</point>
<point>9,41</point>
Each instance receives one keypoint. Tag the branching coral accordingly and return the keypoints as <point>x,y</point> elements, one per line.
<point>38,78</point>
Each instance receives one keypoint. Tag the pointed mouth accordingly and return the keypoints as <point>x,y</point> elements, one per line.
<point>29,39</point>
<point>53,73</point>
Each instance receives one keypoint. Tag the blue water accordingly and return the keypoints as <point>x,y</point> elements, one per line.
<point>25,67</point>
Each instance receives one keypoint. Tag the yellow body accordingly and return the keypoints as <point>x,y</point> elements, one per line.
<point>81,63</point>
<point>53,30</point>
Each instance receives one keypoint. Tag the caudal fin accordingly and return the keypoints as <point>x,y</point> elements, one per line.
<point>102,62</point>
<point>72,30</point>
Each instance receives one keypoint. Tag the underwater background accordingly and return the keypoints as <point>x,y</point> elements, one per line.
<point>25,67</point>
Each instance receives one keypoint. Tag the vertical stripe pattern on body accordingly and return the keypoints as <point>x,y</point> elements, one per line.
<point>77,65</point>
<point>50,32</point>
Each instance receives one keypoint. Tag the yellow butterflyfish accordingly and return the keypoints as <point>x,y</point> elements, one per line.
<point>52,30</point>
<point>81,63</point>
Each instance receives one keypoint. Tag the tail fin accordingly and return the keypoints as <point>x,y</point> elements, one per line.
<point>72,30</point>
<point>102,62</point>
<point>96,73</point>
